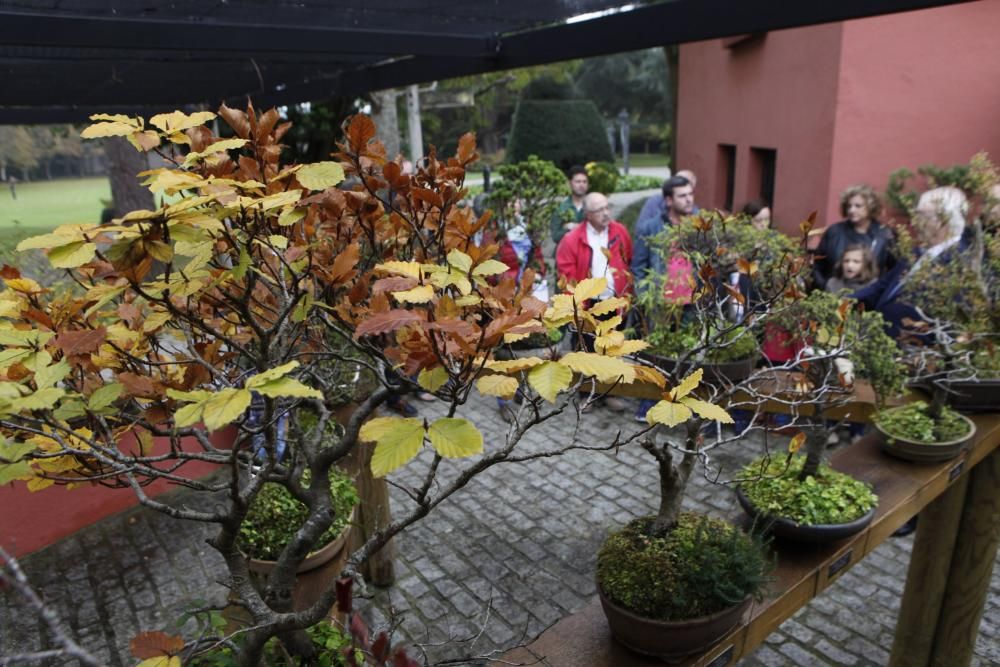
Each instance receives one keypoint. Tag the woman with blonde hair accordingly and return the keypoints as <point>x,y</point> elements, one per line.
<point>860,207</point>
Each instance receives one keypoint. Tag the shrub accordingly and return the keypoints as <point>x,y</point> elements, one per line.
<point>829,497</point>
<point>733,345</point>
<point>275,515</point>
<point>700,567</point>
<point>603,177</point>
<point>633,182</point>
<point>565,132</point>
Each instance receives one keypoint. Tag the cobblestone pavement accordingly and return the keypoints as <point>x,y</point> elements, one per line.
<point>518,543</point>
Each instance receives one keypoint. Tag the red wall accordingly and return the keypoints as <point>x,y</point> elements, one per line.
<point>30,521</point>
<point>842,103</point>
<point>916,88</point>
<point>776,91</point>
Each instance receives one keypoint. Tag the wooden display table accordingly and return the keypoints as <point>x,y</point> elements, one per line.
<point>949,570</point>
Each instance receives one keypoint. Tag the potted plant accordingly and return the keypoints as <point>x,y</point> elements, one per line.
<point>730,357</point>
<point>913,433</point>
<point>802,498</point>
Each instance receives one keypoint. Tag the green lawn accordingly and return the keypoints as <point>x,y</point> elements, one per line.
<point>645,160</point>
<point>43,205</point>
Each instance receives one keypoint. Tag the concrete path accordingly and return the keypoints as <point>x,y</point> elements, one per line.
<point>495,565</point>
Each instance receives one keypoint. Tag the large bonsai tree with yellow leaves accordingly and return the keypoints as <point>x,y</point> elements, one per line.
<point>233,308</point>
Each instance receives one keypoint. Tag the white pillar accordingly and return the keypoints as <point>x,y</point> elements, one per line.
<point>413,118</point>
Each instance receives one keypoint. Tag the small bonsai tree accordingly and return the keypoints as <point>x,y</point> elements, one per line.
<point>216,328</point>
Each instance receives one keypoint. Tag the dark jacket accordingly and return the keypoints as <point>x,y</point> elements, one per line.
<point>837,237</point>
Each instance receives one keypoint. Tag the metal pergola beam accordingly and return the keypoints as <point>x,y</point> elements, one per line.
<point>38,29</point>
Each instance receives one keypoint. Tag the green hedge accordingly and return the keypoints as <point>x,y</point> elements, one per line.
<point>565,132</point>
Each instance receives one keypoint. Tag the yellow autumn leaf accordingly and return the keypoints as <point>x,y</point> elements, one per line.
<point>117,128</point>
<point>432,379</point>
<point>603,368</point>
<point>217,147</point>
<point>613,339</point>
<point>161,661</point>
<point>503,386</point>
<point>650,375</point>
<point>513,365</point>
<point>605,327</point>
<point>155,320</point>
<point>707,410</point>
<point>627,347</point>
<point>513,337</point>
<point>397,440</point>
<point>454,438</point>
<point>687,385</point>
<point>490,267</point>
<point>589,288</point>
<point>468,300</point>
<point>608,306</point>
<point>795,444</point>
<point>419,294</point>
<point>549,379</point>
<point>320,175</point>
<point>72,255</point>
<point>278,241</point>
<point>177,121</point>
<point>225,407</point>
<point>290,216</point>
<point>410,269</point>
<point>289,388</point>
<point>23,285</point>
<point>460,260</point>
<point>668,413</point>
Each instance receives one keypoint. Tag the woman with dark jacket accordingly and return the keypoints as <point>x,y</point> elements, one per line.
<point>860,206</point>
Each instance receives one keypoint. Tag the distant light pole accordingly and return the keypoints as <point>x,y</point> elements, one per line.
<point>623,129</point>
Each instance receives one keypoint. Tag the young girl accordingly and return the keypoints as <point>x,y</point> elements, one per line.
<point>855,269</point>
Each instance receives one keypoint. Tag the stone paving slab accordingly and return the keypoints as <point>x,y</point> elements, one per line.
<point>494,566</point>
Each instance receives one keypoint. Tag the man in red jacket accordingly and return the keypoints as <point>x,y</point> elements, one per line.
<point>599,248</point>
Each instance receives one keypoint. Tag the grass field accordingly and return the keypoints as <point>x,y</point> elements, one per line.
<point>42,205</point>
<point>645,160</point>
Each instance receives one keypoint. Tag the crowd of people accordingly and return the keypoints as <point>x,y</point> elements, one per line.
<point>855,257</point>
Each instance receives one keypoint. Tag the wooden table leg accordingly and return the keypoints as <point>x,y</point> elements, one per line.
<point>926,578</point>
<point>971,567</point>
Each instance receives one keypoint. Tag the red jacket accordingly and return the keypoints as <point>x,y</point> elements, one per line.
<point>508,256</point>
<point>574,255</point>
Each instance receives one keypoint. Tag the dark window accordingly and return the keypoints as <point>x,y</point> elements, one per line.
<point>725,175</point>
<point>763,162</point>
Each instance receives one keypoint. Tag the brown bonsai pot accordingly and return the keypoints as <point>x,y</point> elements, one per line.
<point>917,451</point>
<point>670,640</point>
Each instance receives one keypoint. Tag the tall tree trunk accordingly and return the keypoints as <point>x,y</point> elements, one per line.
<point>124,162</point>
<point>387,121</point>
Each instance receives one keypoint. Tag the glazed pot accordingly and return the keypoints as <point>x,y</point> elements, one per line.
<point>814,534</point>
<point>975,395</point>
<point>670,640</point>
<point>924,452</point>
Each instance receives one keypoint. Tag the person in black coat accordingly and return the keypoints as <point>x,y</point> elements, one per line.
<point>860,206</point>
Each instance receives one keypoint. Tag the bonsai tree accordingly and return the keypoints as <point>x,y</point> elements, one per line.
<point>215,329</point>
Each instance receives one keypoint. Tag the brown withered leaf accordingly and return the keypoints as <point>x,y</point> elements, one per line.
<point>394,284</point>
<point>359,132</point>
<point>80,341</point>
<point>39,316</point>
<point>391,320</point>
<point>429,196</point>
<point>237,120</point>
<point>8,272</point>
<point>502,324</point>
<point>281,130</point>
<point>359,291</point>
<point>147,645</point>
<point>343,268</point>
<point>461,327</point>
<point>466,148</point>
<point>138,385</point>
<point>267,122</point>
<point>379,303</point>
<point>129,313</point>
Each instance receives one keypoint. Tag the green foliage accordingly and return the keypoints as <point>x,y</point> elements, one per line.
<point>630,216</point>
<point>528,191</point>
<point>973,178</point>
<point>912,421</point>
<point>275,515</point>
<point>700,567</point>
<point>731,345</point>
<point>603,177</point>
<point>550,87</point>
<point>565,132</point>
<point>326,637</point>
<point>829,497</point>
<point>633,182</point>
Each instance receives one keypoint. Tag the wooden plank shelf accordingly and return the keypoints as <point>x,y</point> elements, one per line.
<point>804,571</point>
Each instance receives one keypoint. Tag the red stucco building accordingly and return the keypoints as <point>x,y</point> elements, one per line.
<point>802,113</point>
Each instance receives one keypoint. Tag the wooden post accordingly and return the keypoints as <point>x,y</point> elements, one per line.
<point>926,577</point>
<point>971,567</point>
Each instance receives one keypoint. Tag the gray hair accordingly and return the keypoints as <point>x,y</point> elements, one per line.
<point>951,204</point>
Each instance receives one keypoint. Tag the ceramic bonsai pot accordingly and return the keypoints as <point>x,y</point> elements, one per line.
<point>924,452</point>
<point>670,640</point>
<point>813,534</point>
<point>975,395</point>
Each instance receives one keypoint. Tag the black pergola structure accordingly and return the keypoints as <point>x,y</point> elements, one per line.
<point>61,60</point>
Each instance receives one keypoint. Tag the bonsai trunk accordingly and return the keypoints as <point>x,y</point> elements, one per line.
<point>815,444</point>
<point>939,396</point>
<point>673,479</point>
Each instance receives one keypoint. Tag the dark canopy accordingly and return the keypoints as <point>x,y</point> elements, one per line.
<point>61,60</point>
